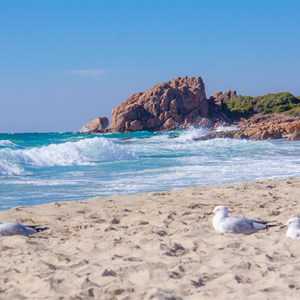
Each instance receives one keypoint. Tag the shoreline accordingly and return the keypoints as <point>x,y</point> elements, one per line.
<point>155,245</point>
<point>134,195</point>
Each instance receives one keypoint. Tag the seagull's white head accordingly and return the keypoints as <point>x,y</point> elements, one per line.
<point>293,223</point>
<point>221,211</point>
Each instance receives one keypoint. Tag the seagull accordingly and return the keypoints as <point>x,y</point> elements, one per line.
<point>13,228</point>
<point>237,225</point>
<point>293,231</point>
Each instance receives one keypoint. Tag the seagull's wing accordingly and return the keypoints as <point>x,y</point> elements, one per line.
<point>241,225</point>
<point>27,230</point>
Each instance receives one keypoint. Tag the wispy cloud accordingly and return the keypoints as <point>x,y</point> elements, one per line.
<point>90,73</point>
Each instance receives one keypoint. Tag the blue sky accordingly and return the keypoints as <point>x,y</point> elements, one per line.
<point>63,63</point>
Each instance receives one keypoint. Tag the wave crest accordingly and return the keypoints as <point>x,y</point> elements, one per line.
<point>83,152</point>
<point>7,143</point>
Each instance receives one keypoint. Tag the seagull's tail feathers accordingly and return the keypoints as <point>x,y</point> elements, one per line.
<point>38,228</point>
<point>263,221</point>
<point>271,225</point>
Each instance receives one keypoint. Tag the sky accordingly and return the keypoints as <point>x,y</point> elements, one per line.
<point>66,62</point>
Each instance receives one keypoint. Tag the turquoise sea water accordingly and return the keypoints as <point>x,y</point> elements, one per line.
<point>46,167</point>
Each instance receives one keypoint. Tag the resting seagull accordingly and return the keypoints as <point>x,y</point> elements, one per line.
<point>13,228</point>
<point>293,231</point>
<point>237,225</point>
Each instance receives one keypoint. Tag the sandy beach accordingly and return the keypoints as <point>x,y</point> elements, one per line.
<point>155,246</point>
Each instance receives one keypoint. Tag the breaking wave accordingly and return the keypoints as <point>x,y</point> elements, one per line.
<point>8,168</point>
<point>83,152</point>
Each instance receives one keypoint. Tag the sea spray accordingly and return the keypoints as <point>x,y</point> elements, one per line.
<point>192,134</point>
<point>226,128</point>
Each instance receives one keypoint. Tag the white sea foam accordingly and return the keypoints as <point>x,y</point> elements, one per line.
<point>9,169</point>
<point>83,152</point>
<point>7,143</point>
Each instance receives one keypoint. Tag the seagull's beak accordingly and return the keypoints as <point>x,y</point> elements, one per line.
<point>210,213</point>
<point>283,226</point>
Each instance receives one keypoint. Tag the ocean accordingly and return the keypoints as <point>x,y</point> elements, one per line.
<point>38,168</point>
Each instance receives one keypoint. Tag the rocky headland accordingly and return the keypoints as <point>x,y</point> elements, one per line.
<point>167,106</point>
<point>182,103</point>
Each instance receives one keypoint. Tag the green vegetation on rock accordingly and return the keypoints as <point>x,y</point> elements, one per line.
<point>294,112</point>
<point>241,105</point>
<point>244,106</point>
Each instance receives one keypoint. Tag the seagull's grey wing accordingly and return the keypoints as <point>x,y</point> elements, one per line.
<point>28,230</point>
<point>241,225</point>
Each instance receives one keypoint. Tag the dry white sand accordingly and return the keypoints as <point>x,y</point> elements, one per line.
<point>155,246</point>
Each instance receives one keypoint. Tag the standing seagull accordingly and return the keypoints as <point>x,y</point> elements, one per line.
<point>238,225</point>
<point>293,231</point>
<point>12,228</point>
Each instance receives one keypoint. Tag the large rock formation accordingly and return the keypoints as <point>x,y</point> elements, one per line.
<point>167,106</point>
<point>182,102</point>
